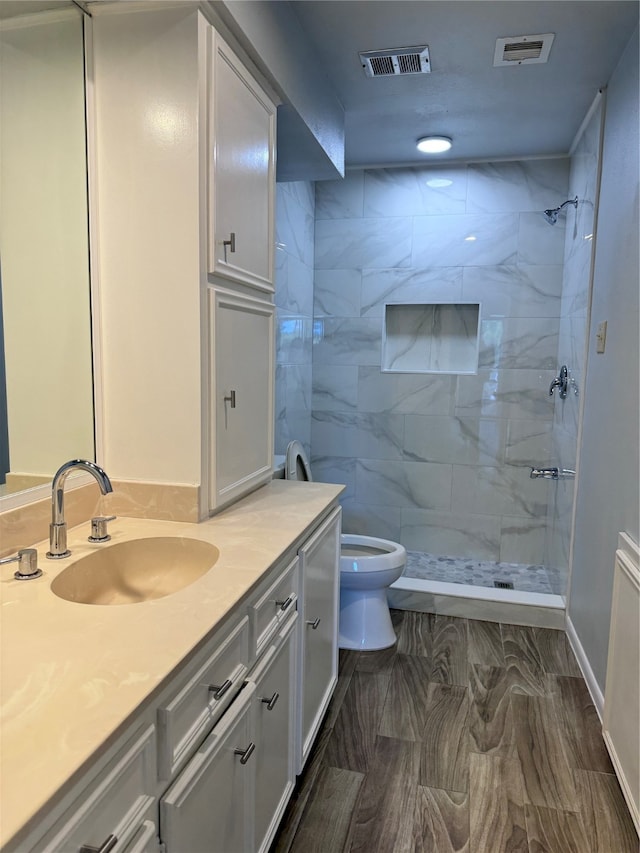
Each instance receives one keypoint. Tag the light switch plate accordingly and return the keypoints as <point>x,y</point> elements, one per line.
<point>601,336</point>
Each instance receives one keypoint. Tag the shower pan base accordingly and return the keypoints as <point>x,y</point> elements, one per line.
<point>421,588</point>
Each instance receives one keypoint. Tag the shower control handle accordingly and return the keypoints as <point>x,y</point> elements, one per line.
<point>552,473</point>
<point>561,382</point>
<point>544,473</point>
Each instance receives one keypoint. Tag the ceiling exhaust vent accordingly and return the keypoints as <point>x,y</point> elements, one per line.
<point>523,50</point>
<point>395,61</point>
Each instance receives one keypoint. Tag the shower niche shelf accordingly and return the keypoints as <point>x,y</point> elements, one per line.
<point>430,338</point>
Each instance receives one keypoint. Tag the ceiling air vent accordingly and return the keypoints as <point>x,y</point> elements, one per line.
<point>397,60</point>
<point>523,50</point>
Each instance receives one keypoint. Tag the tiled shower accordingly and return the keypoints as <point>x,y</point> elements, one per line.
<point>440,460</point>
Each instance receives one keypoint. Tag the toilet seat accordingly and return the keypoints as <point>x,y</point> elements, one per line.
<point>296,466</point>
<point>368,554</point>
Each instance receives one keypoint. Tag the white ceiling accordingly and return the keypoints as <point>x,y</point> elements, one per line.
<point>489,112</point>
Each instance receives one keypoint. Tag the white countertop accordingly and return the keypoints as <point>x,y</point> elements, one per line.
<point>71,675</point>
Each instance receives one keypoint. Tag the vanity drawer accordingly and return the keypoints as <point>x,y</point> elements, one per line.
<point>275,602</point>
<point>119,806</point>
<point>187,717</point>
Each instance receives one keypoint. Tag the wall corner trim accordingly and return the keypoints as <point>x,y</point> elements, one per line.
<point>583,662</point>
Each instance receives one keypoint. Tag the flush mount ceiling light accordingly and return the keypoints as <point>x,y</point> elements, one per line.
<point>433,144</point>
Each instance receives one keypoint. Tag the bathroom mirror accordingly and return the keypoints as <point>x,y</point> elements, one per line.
<point>46,382</point>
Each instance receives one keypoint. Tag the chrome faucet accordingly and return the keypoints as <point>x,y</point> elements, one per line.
<point>58,528</point>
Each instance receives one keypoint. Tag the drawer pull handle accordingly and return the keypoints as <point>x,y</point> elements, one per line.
<point>284,604</point>
<point>231,398</point>
<point>314,625</point>
<point>219,690</point>
<point>231,242</point>
<point>245,754</point>
<point>271,703</point>
<point>105,847</point>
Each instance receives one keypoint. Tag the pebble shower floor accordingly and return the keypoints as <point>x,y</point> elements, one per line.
<point>525,578</point>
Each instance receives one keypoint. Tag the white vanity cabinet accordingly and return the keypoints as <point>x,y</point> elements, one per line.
<point>231,795</point>
<point>209,806</point>
<point>241,389</point>
<point>319,565</point>
<point>242,172</point>
<point>275,680</point>
<point>116,811</point>
<point>208,763</point>
<point>201,694</point>
<point>241,212</point>
<point>185,166</point>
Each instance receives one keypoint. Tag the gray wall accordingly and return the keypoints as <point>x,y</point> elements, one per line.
<point>294,312</point>
<point>607,500</point>
<point>439,462</point>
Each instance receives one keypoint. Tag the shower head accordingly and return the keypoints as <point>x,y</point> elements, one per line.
<point>551,214</point>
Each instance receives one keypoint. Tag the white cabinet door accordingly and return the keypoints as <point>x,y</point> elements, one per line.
<point>241,405</point>
<point>117,809</point>
<point>275,736</point>
<point>209,806</point>
<point>146,841</point>
<point>242,174</point>
<point>320,561</point>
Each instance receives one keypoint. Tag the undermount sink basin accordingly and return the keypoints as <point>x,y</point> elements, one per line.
<point>135,571</point>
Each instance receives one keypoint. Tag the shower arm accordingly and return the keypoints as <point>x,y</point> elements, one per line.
<point>573,201</point>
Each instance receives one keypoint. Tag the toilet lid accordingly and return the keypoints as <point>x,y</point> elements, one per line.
<point>296,465</point>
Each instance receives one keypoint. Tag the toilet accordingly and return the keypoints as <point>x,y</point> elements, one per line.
<point>296,464</point>
<point>368,566</point>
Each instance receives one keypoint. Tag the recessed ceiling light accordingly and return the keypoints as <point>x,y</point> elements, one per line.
<point>434,144</point>
<point>438,183</point>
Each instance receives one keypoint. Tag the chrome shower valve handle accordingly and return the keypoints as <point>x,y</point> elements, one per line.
<point>561,382</point>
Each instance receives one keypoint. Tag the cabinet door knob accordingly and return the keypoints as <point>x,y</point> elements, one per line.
<point>231,397</point>
<point>284,604</point>
<point>314,624</point>
<point>219,690</point>
<point>245,754</point>
<point>105,847</point>
<point>271,703</point>
<point>231,242</point>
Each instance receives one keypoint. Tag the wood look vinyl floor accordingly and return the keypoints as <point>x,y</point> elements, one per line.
<point>465,737</point>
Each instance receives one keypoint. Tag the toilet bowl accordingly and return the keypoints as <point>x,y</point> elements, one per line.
<point>367,567</point>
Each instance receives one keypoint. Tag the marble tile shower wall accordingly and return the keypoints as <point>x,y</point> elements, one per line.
<point>295,204</point>
<point>580,224</point>
<point>439,462</point>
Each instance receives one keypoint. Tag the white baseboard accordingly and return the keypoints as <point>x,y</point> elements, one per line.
<point>583,662</point>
